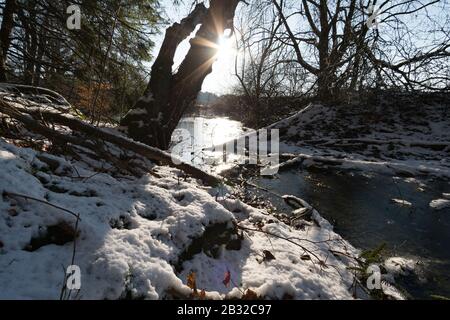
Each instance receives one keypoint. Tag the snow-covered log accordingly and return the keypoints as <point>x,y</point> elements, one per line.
<point>30,116</point>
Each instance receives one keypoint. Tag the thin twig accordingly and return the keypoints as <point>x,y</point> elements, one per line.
<point>281,237</point>
<point>12,194</point>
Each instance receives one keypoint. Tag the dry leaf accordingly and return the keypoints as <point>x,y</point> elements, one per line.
<point>227,279</point>
<point>191,283</point>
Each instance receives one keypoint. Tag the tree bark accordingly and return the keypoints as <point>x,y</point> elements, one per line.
<point>155,116</point>
<point>5,32</point>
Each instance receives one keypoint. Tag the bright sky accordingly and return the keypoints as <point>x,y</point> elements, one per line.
<point>221,80</point>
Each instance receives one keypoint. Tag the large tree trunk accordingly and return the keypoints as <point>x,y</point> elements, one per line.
<point>155,116</point>
<point>5,32</point>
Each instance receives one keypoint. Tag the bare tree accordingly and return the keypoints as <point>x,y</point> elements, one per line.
<point>264,65</point>
<point>411,46</point>
<point>349,45</point>
<point>256,65</point>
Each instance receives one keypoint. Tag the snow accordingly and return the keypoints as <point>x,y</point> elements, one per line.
<point>391,291</point>
<point>296,201</point>
<point>396,267</point>
<point>400,266</point>
<point>439,204</point>
<point>138,111</point>
<point>133,232</point>
<point>288,274</point>
<point>402,202</point>
<point>390,140</point>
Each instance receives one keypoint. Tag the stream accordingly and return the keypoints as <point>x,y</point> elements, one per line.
<point>358,204</point>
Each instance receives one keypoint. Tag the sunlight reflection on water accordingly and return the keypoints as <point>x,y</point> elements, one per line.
<point>195,134</point>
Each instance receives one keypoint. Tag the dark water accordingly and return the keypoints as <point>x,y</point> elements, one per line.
<point>360,207</point>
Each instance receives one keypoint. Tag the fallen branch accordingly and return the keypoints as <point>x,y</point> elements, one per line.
<point>363,164</point>
<point>12,194</point>
<point>284,238</point>
<point>32,90</point>
<point>29,116</point>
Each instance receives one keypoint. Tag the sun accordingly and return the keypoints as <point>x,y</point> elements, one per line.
<point>222,77</point>
<point>225,46</point>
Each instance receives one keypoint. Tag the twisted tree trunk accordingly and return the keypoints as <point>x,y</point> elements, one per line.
<point>156,114</point>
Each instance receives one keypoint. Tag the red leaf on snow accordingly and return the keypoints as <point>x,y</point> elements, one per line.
<point>191,281</point>
<point>227,279</point>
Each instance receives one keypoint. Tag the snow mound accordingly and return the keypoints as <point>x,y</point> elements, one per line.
<point>438,204</point>
<point>400,266</point>
<point>404,139</point>
<point>402,202</point>
<point>391,291</point>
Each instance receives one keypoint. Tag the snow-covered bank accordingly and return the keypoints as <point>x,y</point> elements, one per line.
<point>142,237</point>
<point>395,137</point>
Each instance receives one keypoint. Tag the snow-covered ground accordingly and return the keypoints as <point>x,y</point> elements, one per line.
<point>439,204</point>
<point>143,237</point>
<point>152,236</point>
<point>394,138</point>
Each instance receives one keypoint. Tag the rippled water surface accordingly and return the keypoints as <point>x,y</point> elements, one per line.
<point>358,204</point>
